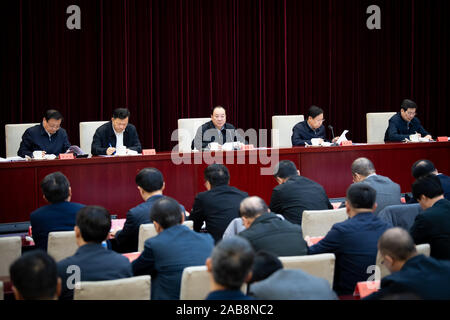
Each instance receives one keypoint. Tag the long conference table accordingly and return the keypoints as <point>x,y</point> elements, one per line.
<point>110,181</point>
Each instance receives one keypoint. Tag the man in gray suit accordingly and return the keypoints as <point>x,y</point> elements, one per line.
<point>388,192</point>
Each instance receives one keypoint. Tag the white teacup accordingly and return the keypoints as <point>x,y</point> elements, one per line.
<point>214,146</point>
<point>414,137</point>
<point>121,151</point>
<point>38,155</point>
<point>316,141</point>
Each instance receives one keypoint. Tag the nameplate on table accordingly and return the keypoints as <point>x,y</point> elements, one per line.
<point>442,139</point>
<point>66,156</point>
<point>346,143</point>
<point>248,147</point>
<point>365,288</point>
<point>148,152</point>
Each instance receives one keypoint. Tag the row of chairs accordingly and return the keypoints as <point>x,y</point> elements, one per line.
<point>377,124</point>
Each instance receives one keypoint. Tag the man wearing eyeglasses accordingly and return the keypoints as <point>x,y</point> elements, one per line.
<point>48,136</point>
<point>304,131</point>
<point>404,123</point>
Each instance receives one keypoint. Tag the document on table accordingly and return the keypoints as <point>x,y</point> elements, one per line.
<point>342,137</point>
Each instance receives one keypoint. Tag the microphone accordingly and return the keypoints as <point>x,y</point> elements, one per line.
<point>331,128</point>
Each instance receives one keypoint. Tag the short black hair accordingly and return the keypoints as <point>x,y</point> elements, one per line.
<point>217,175</point>
<point>264,265</point>
<point>94,223</point>
<point>214,108</point>
<point>314,111</point>
<point>421,168</point>
<point>252,206</point>
<point>53,114</point>
<point>285,169</point>
<point>35,275</point>
<point>232,260</point>
<point>408,104</point>
<point>150,179</point>
<point>361,196</point>
<point>167,212</point>
<point>121,113</point>
<point>430,186</point>
<point>55,187</point>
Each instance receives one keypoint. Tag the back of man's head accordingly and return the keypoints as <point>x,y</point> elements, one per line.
<point>231,261</point>
<point>150,179</point>
<point>166,212</point>
<point>361,196</point>
<point>217,175</point>
<point>252,207</point>
<point>397,243</point>
<point>363,166</point>
<point>429,186</point>
<point>34,275</point>
<point>55,187</point>
<point>422,168</point>
<point>94,223</point>
<point>121,113</point>
<point>264,265</point>
<point>285,169</point>
<point>53,114</point>
<point>408,104</point>
<point>314,111</point>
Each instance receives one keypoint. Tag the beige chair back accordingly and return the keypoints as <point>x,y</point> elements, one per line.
<point>282,130</point>
<point>376,124</point>
<point>148,230</point>
<point>187,128</point>
<point>134,288</point>
<point>10,250</point>
<point>61,244</point>
<point>317,223</point>
<point>87,131</point>
<point>319,265</point>
<point>13,137</point>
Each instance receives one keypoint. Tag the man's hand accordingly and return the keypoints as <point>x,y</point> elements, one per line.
<point>110,151</point>
<point>334,139</point>
<point>428,137</point>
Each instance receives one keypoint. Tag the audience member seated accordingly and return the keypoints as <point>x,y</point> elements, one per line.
<point>174,248</point>
<point>92,262</point>
<point>296,193</point>
<point>150,183</point>
<point>412,273</point>
<point>388,192</point>
<point>59,215</point>
<point>266,231</point>
<point>433,225</point>
<point>354,241</point>
<point>271,282</point>
<point>422,168</point>
<point>230,266</point>
<point>48,136</point>
<point>219,205</point>
<point>34,276</point>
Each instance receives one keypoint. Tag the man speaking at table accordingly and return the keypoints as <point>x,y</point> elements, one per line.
<point>116,133</point>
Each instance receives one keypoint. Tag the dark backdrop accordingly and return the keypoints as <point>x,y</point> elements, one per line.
<point>172,59</point>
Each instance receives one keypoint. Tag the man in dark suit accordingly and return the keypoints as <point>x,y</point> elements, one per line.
<point>354,241</point>
<point>230,266</point>
<point>266,231</point>
<point>433,224</point>
<point>173,249</point>
<point>296,193</point>
<point>219,205</point>
<point>421,168</point>
<point>48,136</point>
<point>150,183</point>
<point>116,133</point>
<point>217,130</point>
<point>404,123</point>
<point>388,192</point>
<point>412,273</point>
<point>92,262</point>
<point>59,215</point>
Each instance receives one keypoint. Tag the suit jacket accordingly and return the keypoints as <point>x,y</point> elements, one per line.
<point>399,129</point>
<point>208,133</point>
<point>302,133</point>
<point>445,183</point>
<point>423,276</point>
<point>270,233</point>
<point>104,136</point>
<point>96,263</point>
<point>36,138</point>
<point>433,227</point>
<point>227,295</point>
<point>59,216</point>
<point>388,192</point>
<point>217,207</point>
<point>297,194</point>
<point>354,242</point>
<point>166,255</point>
<point>294,284</point>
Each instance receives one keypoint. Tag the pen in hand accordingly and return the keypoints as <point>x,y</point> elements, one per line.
<point>110,146</point>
